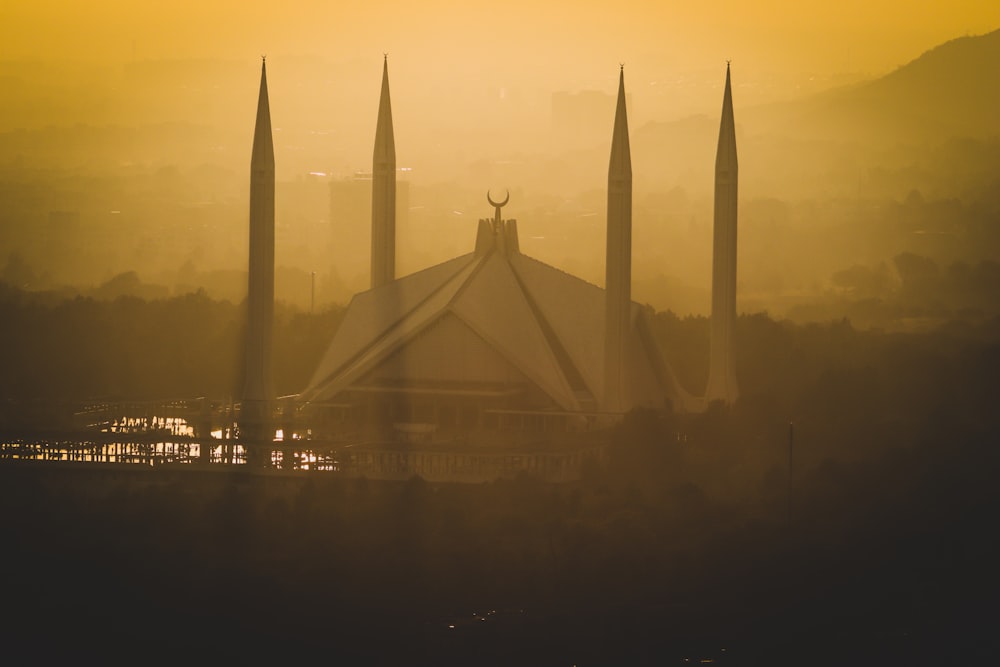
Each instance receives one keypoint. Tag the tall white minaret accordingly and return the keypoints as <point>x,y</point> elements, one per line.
<point>258,390</point>
<point>721,376</point>
<point>618,263</point>
<point>384,190</point>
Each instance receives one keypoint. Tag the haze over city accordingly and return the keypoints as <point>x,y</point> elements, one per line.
<point>160,98</point>
<point>489,334</point>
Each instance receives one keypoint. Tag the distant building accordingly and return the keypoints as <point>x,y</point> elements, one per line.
<point>494,362</point>
<point>489,340</point>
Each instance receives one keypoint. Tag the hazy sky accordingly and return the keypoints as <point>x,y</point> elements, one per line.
<point>473,75</point>
<point>472,82</point>
<point>540,36</point>
<point>452,60</point>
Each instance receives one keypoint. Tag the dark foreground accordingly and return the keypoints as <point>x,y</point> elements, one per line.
<point>889,561</point>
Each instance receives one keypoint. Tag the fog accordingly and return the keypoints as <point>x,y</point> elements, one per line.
<point>441,505</point>
<point>124,146</point>
<point>141,166</point>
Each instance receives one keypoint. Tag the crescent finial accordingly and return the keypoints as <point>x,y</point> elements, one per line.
<point>495,204</point>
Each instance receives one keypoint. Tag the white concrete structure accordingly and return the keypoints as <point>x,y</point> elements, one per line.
<point>487,333</point>
<point>722,375</point>
<point>496,340</point>
<point>258,390</point>
<point>384,190</point>
<point>618,260</point>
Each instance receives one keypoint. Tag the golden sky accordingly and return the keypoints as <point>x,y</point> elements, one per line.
<point>848,35</point>
<point>463,55</point>
<point>457,67</point>
<point>472,84</point>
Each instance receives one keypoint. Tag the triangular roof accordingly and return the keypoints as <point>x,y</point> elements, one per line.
<point>495,306</point>
<point>574,309</point>
<point>547,324</point>
<point>379,317</point>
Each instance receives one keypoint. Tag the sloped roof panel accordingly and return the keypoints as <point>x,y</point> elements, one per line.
<point>381,316</point>
<point>547,324</point>
<point>447,351</point>
<point>643,386</point>
<point>574,310</point>
<point>653,364</point>
<point>495,307</point>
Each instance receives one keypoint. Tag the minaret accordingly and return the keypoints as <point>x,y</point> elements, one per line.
<point>721,376</point>
<point>258,392</point>
<point>618,264</point>
<point>384,190</point>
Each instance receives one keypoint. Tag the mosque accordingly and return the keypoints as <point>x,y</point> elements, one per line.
<point>492,362</point>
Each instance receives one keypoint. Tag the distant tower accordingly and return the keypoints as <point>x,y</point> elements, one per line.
<point>721,376</point>
<point>384,190</point>
<point>258,392</point>
<point>618,264</point>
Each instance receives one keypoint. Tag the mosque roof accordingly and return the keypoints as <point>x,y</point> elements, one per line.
<point>496,309</point>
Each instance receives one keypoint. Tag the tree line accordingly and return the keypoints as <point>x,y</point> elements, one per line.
<point>872,545</point>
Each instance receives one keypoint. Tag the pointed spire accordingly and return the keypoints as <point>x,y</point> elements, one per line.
<point>258,390</point>
<point>383,249</point>
<point>621,155</point>
<point>721,370</point>
<point>385,143</point>
<point>725,157</point>
<point>618,261</point>
<point>263,147</point>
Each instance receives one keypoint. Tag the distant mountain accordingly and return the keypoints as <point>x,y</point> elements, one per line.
<point>950,91</point>
<point>828,143</point>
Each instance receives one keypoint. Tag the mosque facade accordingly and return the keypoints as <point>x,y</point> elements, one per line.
<point>492,362</point>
